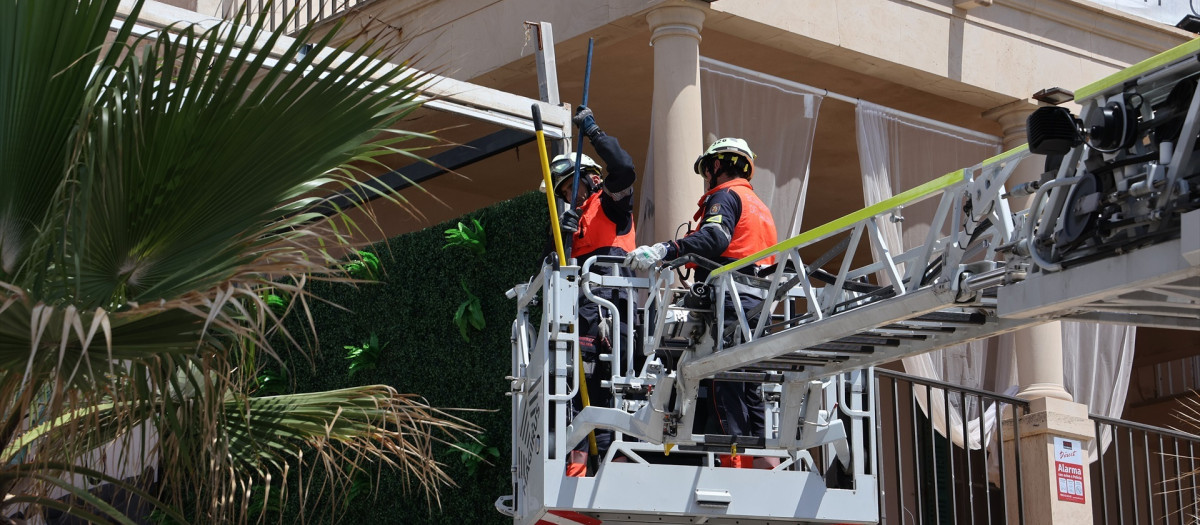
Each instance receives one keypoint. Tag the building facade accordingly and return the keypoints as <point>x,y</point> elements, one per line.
<point>973,65</point>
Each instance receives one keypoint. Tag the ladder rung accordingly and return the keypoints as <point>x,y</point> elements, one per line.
<point>750,377</point>
<point>838,346</point>
<point>867,339</point>
<point>815,360</point>
<point>897,334</point>
<point>681,344</point>
<point>973,318</point>
<point>777,366</point>
<point>724,440</point>
<point>918,328</point>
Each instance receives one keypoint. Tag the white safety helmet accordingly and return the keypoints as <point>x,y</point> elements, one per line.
<point>562,169</point>
<point>733,152</point>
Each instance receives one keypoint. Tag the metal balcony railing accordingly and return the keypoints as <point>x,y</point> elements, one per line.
<point>303,12</point>
<point>1146,474</point>
<point>926,478</point>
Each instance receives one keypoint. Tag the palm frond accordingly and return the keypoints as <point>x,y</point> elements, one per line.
<point>356,427</point>
<point>45,64</point>
<point>161,221</point>
<point>150,188</point>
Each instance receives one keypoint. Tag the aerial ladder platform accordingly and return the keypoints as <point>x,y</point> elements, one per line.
<point>1111,234</point>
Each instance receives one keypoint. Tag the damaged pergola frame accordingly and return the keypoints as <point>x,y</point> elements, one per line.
<point>443,94</point>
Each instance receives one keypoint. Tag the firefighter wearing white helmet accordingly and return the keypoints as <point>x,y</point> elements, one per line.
<point>734,151</point>
<point>734,223</point>
<point>598,221</point>
<point>562,174</point>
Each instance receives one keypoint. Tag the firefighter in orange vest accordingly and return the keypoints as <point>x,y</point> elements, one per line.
<point>600,224</point>
<point>734,223</point>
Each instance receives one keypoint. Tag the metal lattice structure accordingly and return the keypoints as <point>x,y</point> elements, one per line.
<point>1112,234</point>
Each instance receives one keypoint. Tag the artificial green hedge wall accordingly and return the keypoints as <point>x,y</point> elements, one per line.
<point>411,310</point>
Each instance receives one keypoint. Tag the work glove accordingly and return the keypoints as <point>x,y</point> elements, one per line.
<point>644,257</point>
<point>569,222</point>
<point>586,123</point>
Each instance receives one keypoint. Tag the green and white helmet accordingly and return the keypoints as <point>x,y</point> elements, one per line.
<point>733,151</point>
<point>562,169</point>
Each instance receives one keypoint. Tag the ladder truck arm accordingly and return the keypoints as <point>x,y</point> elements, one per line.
<point>1111,234</point>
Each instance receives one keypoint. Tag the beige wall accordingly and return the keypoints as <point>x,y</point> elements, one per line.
<point>212,7</point>
<point>985,56</point>
<point>920,56</point>
<point>186,4</point>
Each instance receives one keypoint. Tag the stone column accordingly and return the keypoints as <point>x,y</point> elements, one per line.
<point>1011,117</point>
<point>676,114</point>
<point>1052,412</point>
<point>1048,418</point>
<point>1038,349</point>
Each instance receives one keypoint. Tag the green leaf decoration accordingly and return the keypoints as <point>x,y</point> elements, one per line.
<point>471,237</point>
<point>272,383</point>
<point>276,303</point>
<point>469,314</point>
<point>365,268</point>
<point>474,453</point>
<point>365,356</point>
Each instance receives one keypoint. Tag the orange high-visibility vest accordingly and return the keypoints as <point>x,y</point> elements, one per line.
<point>597,231</point>
<point>755,230</point>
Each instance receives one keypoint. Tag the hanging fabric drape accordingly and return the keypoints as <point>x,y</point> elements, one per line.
<point>1097,359</point>
<point>776,117</point>
<point>896,153</point>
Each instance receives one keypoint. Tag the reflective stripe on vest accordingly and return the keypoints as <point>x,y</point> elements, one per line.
<point>596,231</point>
<point>755,230</point>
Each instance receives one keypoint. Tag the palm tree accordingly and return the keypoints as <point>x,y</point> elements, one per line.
<point>153,187</point>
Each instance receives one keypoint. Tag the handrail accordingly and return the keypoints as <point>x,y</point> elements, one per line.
<point>1166,57</point>
<point>905,198</point>
<point>951,386</point>
<point>1144,427</point>
<point>912,195</point>
<point>1004,156</point>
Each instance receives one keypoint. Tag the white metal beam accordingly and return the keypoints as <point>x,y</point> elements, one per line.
<point>440,93</point>
<point>1047,294</point>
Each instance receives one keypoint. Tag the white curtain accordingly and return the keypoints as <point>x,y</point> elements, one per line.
<point>776,117</point>
<point>1097,359</point>
<point>898,151</point>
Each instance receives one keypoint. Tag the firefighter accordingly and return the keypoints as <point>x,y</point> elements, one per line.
<point>734,223</point>
<point>601,223</point>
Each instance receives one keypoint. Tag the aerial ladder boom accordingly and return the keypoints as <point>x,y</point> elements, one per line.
<point>1111,234</point>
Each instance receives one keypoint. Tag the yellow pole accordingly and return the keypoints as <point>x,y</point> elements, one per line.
<point>558,246</point>
<point>541,142</point>
<point>587,402</point>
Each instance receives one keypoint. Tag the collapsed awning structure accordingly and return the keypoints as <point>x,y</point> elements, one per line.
<point>511,113</point>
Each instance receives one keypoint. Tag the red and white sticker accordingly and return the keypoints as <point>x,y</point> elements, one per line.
<point>1068,469</point>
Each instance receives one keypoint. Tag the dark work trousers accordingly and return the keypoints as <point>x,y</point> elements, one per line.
<point>732,408</point>
<point>591,345</point>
